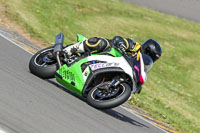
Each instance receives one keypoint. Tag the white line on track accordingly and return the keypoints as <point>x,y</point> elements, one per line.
<point>143,119</point>
<point>15,43</point>
<point>1,131</point>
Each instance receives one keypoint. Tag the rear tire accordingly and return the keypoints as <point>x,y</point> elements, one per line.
<point>109,103</point>
<point>46,71</point>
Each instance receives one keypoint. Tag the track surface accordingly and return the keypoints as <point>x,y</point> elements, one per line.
<point>29,104</point>
<point>189,9</point>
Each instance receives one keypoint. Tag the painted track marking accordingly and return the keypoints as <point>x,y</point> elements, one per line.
<point>2,23</point>
<point>2,131</point>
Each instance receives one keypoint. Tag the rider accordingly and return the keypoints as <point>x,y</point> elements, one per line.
<point>150,49</point>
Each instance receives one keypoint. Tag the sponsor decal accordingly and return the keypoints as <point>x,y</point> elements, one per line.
<point>103,65</point>
<point>68,75</point>
<point>85,73</point>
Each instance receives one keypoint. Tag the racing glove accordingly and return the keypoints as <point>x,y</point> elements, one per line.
<point>122,48</point>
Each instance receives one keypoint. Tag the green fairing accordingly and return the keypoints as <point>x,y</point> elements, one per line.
<point>72,77</point>
<point>80,38</point>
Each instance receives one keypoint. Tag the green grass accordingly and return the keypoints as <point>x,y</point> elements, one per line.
<point>172,92</point>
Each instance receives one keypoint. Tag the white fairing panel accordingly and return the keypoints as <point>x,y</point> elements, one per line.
<point>143,73</point>
<point>119,62</point>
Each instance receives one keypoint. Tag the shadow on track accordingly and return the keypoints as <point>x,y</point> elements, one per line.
<point>110,112</point>
<point>66,90</point>
<point>124,118</point>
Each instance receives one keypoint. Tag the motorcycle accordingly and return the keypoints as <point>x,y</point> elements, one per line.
<point>106,79</point>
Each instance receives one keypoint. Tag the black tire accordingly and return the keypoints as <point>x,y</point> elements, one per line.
<point>110,103</point>
<point>45,72</point>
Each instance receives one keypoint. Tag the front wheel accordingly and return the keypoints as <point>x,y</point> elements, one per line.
<point>42,64</point>
<point>103,96</point>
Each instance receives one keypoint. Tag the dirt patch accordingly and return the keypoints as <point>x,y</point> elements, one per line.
<point>12,29</point>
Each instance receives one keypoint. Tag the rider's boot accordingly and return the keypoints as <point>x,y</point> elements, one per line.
<point>75,48</point>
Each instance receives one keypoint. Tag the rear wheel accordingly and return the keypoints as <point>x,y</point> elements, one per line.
<point>103,96</point>
<point>43,64</point>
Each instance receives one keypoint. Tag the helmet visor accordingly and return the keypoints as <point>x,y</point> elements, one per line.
<point>148,62</point>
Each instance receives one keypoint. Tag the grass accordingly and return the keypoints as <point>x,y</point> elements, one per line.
<point>172,92</point>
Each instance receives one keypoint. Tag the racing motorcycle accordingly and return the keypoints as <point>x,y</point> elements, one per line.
<point>106,79</point>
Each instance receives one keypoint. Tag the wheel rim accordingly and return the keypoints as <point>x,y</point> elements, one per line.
<point>99,94</point>
<point>43,60</point>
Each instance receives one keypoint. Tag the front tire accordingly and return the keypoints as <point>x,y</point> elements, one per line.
<point>41,66</point>
<point>106,103</point>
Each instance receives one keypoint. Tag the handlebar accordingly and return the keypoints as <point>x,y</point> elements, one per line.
<point>59,43</point>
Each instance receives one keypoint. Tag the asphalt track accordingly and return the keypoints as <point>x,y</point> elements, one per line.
<point>188,9</point>
<point>29,104</point>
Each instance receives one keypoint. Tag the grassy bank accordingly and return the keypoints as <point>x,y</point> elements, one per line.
<point>173,88</point>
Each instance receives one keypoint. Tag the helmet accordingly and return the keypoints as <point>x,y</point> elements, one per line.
<point>152,48</point>
<point>148,62</point>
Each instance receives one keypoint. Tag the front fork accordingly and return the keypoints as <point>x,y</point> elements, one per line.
<point>58,59</point>
<point>116,81</point>
<point>58,47</point>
